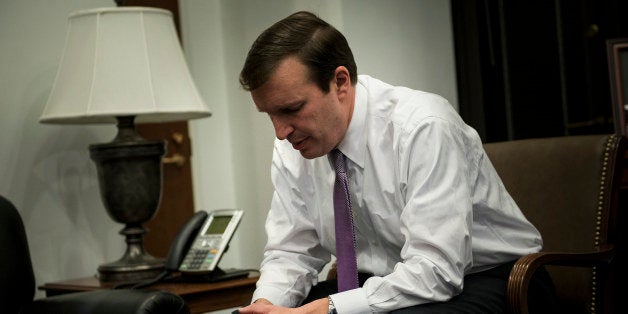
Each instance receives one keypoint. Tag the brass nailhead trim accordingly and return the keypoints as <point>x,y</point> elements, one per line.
<point>599,218</point>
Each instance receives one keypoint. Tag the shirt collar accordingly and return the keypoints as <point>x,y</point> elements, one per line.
<point>353,144</point>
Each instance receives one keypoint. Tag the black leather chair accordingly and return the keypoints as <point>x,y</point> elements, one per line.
<point>17,282</point>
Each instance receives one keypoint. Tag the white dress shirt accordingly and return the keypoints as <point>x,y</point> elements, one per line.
<point>428,207</point>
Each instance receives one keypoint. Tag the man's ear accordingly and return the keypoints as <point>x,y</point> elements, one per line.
<point>342,80</point>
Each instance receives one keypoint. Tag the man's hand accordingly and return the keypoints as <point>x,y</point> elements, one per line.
<point>263,301</point>
<point>264,306</point>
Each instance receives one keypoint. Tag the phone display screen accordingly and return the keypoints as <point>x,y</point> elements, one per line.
<point>218,225</point>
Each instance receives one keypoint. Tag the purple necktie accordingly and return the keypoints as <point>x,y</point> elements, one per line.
<point>345,242</point>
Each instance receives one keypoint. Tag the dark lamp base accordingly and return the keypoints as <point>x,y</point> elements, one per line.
<point>130,179</point>
<point>125,270</point>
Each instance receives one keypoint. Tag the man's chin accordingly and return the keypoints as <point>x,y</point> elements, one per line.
<point>309,154</point>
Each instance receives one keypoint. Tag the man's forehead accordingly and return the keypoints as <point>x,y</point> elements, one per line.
<point>291,68</point>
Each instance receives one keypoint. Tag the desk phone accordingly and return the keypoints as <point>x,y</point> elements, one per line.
<point>211,241</point>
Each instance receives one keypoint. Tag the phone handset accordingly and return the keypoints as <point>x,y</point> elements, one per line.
<point>182,242</point>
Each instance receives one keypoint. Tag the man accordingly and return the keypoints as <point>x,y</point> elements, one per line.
<point>434,228</point>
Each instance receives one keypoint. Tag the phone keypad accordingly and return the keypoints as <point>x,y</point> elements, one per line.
<point>202,256</point>
<point>197,258</point>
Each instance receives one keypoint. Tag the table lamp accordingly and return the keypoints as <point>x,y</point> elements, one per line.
<point>125,65</point>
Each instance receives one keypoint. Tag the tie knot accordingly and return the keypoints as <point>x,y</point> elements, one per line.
<point>338,158</point>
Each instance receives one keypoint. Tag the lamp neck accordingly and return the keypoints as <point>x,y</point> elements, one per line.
<point>126,130</point>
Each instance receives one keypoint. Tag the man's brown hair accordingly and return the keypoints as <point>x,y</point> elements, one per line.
<point>318,45</point>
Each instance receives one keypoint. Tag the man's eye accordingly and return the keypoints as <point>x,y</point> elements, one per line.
<point>292,109</point>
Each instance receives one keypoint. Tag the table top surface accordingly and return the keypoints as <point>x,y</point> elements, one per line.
<point>178,286</point>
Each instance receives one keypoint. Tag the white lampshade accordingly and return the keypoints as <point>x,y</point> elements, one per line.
<point>124,61</point>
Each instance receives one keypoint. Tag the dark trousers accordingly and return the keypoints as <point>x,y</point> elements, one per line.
<point>484,292</point>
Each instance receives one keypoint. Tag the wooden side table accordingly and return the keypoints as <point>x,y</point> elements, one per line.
<point>200,297</point>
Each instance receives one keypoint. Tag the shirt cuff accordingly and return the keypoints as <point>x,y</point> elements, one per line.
<point>271,294</point>
<point>351,302</point>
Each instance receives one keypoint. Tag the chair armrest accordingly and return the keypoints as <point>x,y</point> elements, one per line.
<point>526,266</point>
<point>333,271</point>
<point>110,301</point>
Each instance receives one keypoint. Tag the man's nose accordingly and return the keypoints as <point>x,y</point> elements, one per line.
<point>282,127</point>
